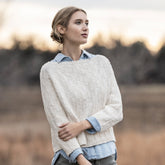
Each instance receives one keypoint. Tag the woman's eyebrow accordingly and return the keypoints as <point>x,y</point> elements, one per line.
<point>82,20</point>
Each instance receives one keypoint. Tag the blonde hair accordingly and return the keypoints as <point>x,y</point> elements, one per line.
<point>62,18</point>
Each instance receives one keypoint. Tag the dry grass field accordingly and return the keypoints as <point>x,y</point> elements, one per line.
<point>25,135</point>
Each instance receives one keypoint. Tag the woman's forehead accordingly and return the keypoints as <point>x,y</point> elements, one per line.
<point>79,15</point>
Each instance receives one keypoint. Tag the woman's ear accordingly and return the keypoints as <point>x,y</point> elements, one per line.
<point>61,29</point>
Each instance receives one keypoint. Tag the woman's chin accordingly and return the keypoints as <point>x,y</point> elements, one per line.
<point>84,41</point>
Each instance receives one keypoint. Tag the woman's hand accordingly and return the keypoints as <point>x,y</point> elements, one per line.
<point>69,130</point>
<point>72,129</point>
<point>81,160</point>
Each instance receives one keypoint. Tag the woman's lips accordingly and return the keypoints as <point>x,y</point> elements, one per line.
<point>85,35</point>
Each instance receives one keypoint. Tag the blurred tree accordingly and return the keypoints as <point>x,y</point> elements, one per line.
<point>161,64</point>
<point>132,64</point>
<point>21,64</point>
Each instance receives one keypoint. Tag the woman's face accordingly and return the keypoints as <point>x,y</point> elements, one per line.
<point>77,29</point>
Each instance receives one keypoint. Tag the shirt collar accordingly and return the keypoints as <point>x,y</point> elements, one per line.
<point>60,57</point>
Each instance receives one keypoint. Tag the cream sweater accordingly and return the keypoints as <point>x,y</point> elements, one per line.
<point>75,90</point>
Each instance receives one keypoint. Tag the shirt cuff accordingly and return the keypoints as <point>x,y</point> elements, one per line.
<point>74,155</point>
<point>95,124</point>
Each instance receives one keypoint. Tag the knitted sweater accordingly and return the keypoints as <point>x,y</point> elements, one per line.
<point>72,91</point>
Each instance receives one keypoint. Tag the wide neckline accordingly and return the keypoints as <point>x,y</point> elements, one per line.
<point>74,62</point>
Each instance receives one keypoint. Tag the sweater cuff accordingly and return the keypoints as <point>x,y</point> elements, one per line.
<point>74,155</point>
<point>95,124</point>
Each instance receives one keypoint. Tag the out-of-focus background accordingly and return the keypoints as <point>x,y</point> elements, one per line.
<point>130,33</point>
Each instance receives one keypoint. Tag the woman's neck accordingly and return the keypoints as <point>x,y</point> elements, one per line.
<point>72,51</point>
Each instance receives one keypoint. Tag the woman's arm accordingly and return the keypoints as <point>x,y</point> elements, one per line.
<point>112,112</point>
<point>54,111</point>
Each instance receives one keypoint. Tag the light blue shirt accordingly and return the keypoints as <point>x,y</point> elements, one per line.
<point>95,152</point>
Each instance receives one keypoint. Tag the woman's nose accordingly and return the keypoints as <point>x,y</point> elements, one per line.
<point>85,27</point>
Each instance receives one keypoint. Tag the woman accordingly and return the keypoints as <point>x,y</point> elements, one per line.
<point>81,97</point>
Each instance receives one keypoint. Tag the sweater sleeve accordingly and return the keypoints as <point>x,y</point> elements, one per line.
<point>54,111</point>
<point>112,113</point>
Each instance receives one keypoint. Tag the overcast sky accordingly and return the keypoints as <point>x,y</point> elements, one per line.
<point>132,20</point>
<point>117,4</point>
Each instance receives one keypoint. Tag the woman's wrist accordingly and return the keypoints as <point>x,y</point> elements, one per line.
<point>81,160</point>
<point>85,124</point>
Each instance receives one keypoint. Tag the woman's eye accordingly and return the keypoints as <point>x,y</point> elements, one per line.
<point>78,22</point>
<point>87,23</point>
